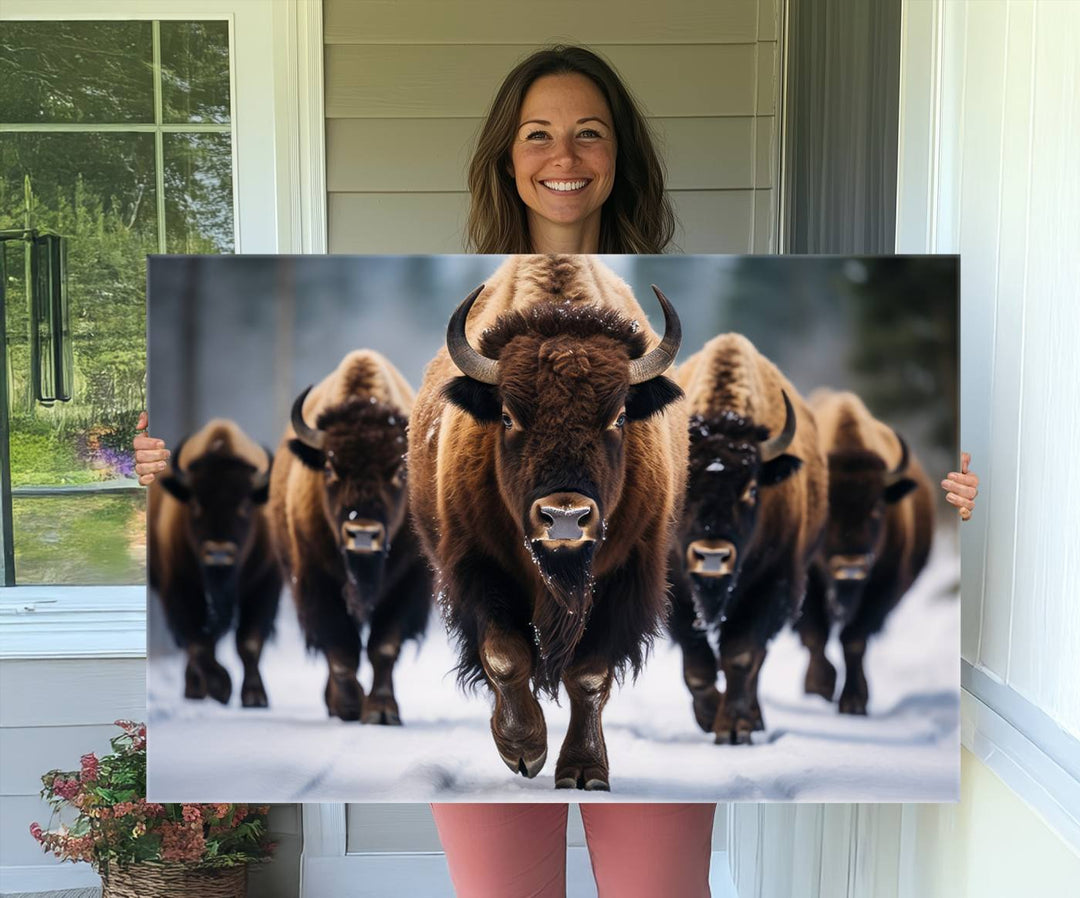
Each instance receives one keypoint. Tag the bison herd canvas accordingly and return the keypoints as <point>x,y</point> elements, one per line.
<point>567,493</point>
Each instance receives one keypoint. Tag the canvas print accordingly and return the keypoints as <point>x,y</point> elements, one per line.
<point>532,528</point>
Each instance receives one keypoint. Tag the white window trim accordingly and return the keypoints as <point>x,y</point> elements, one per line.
<point>279,207</point>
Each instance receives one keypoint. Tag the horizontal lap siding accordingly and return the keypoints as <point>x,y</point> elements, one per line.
<point>408,84</point>
<point>53,712</point>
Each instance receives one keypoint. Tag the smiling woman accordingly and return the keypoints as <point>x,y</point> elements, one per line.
<point>565,163</point>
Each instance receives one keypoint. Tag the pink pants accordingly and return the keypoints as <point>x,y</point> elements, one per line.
<point>519,850</point>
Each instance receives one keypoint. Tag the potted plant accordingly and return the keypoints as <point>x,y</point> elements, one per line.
<point>142,848</point>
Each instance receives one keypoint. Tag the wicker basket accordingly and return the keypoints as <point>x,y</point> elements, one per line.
<point>174,881</point>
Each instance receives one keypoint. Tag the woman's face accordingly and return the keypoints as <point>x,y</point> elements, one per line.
<point>563,154</point>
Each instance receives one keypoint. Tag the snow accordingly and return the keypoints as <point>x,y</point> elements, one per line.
<point>906,749</point>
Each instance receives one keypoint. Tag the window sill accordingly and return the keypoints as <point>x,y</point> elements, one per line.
<point>1034,757</point>
<point>73,622</point>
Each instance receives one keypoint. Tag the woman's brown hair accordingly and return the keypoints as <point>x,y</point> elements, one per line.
<point>637,216</point>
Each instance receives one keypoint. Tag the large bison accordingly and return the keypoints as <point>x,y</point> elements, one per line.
<point>881,520</point>
<point>211,558</point>
<point>754,516</point>
<point>547,465</point>
<point>339,512</point>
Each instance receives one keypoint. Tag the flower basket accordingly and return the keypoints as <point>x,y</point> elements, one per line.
<point>143,849</point>
<point>173,881</point>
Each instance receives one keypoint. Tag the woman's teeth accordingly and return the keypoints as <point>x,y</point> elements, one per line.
<point>564,186</point>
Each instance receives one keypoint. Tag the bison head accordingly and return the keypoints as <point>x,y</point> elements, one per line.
<point>357,448</point>
<point>221,492</point>
<point>731,460</point>
<point>563,388</point>
<point>860,491</point>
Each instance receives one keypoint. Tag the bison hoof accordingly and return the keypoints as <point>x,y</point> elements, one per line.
<point>706,704</point>
<point>219,684</point>
<point>253,695</point>
<point>520,735</point>
<point>820,680</point>
<point>758,723</point>
<point>528,767</point>
<point>591,779</point>
<point>381,711</point>
<point>735,729</point>
<point>852,704</point>
<point>344,699</point>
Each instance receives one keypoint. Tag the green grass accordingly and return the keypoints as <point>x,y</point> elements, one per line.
<point>80,540</point>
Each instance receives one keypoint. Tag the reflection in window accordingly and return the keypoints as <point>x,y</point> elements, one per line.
<point>141,163</point>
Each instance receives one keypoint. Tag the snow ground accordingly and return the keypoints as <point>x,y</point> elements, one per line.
<point>907,749</point>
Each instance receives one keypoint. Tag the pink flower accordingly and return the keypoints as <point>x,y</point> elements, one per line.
<point>36,832</point>
<point>192,813</point>
<point>89,767</point>
<point>66,788</point>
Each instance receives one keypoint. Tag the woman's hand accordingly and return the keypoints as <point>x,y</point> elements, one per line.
<point>962,487</point>
<point>150,454</point>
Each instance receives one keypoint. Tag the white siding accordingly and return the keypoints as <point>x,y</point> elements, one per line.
<point>407,85</point>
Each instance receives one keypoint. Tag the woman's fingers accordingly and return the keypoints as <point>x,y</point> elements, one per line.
<point>962,487</point>
<point>965,490</point>
<point>150,453</point>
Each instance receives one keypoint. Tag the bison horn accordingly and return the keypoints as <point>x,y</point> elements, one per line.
<point>470,361</point>
<point>309,436</point>
<point>772,447</point>
<point>655,363</point>
<point>895,474</point>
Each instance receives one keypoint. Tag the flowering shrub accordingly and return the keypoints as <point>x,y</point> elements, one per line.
<point>115,824</point>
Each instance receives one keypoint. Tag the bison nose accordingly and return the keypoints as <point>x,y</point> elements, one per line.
<point>218,554</point>
<point>850,567</point>
<point>711,557</point>
<point>564,518</point>
<point>364,537</point>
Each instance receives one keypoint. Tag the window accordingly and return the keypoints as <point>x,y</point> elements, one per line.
<point>118,136</point>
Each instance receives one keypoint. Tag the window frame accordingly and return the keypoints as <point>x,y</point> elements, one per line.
<point>279,206</point>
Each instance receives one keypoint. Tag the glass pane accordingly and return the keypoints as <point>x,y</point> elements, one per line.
<point>198,193</point>
<point>98,190</point>
<point>81,540</point>
<point>195,71</point>
<point>76,72</point>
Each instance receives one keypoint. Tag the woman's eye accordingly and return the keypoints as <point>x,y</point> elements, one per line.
<point>508,422</point>
<point>536,135</point>
<point>589,132</point>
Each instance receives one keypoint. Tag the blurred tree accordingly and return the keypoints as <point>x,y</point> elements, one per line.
<point>905,313</point>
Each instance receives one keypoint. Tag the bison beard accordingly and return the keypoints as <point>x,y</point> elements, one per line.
<point>558,625</point>
<point>364,580</point>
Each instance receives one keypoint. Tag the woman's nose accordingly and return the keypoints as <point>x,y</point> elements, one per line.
<point>564,150</point>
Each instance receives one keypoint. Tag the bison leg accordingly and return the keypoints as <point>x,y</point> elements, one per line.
<point>382,651</point>
<point>328,627</point>
<point>517,723</point>
<point>739,714</point>
<point>854,698</point>
<point>258,609</point>
<point>813,629</point>
<point>583,760</point>
<point>204,676</point>
<point>699,660</point>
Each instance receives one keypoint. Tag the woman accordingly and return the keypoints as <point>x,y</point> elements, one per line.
<point>565,163</point>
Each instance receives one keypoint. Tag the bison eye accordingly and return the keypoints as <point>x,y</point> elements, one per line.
<point>398,479</point>
<point>620,421</point>
<point>749,495</point>
<point>508,422</point>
